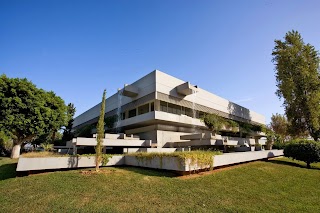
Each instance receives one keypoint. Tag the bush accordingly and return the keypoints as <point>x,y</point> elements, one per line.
<point>278,145</point>
<point>47,146</point>
<point>59,143</point>
<point>304,150</point>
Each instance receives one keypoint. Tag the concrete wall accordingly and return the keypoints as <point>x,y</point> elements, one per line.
<point>168,163</point>
<point>166,84</point>
<point>146,85</point>
<point>28,164</point>
<point>240,157</point>
<point>164,138</point>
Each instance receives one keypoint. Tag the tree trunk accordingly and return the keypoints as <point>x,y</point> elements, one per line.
<point>16,151</point>
<point>53,135</point>
<point>308,165</point>
<point>97,163</point>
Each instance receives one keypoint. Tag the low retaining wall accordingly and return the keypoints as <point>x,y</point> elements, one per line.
<point>240,157</point>
<point>28,164</point>
<point>168,163</point>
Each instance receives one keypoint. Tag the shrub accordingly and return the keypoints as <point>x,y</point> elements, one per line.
<point>304,150</point>
<point>278,145</point>
<point>47,146</point>
<point>59,143</point>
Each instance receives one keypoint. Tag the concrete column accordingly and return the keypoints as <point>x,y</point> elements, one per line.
<point>157,105</point>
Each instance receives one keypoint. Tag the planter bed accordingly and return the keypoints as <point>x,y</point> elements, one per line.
<point>156,162</point>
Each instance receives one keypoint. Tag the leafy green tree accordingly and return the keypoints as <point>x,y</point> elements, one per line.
<point>279,126</point>
<point>213,122</point>
<point>304,150</point>
<point>5,142</point>
<point>298,82</point>
<point>100,131</point>
<point>67,132</point>
<point>58,115</point>
<point>85,131</point>
<point>27,112</point>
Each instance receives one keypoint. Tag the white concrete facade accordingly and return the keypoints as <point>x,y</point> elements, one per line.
<point>161,108</point>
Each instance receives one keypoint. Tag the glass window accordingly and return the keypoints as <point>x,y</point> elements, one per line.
<point>132,113</point>
<point>201,114</point>
<point>123,116</point>
<point>175,109</point>
<point>152,106</point>
<point>143,109</point>
<point>188,112</point>
<point>163,106</point>
<point>183,110</point>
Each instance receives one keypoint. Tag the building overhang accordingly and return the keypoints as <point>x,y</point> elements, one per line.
<point>186,89</point>
<point>130,91</point>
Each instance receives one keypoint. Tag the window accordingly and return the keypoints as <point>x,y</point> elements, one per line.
<point>163,106</point>
<point>123,116</point>
<point>152,106</point>
<point>175,109</point>
<point>188,112</point>
<point>143,109</point>
<point>132,113</point>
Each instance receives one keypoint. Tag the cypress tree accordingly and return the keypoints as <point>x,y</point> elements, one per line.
<point>100,131</point>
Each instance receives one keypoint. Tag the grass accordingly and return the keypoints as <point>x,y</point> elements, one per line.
<point>43,154</point>
<point>278,185</point>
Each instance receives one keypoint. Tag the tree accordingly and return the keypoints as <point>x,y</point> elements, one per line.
<point>26,111</point>
<point>213,122</point>
<point>100,131</point>
<point>67,132</point>
<point>304,150</point>
<point>298,82</point>
<point>57,113</point>
<point>279,125</point>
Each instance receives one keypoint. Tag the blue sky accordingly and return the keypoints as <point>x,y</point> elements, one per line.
<point>78,48</point>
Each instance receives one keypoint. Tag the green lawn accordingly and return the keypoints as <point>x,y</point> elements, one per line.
<point>275,186</point>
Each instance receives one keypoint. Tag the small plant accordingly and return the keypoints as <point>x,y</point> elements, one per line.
<point>304,150</point>
<point>47,146</point>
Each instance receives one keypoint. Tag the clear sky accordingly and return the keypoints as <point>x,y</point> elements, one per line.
<point>78,48</point>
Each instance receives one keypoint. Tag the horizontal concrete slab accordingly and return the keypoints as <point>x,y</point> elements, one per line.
<point>113,142</point>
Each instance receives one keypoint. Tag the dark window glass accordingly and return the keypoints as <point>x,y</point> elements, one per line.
<point>152,106</point>
<point>163,106</point>
<point>123,116</point>
<point>143,109</point>
<point>132,113</point>
<point>201,114</point>
<point>189,112</point>
<point>175,109</point>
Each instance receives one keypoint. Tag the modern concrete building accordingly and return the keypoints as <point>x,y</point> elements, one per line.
<point>165,111</point>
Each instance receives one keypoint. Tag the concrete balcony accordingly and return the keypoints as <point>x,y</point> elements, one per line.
<point>130,91</point>
<point>186,89</point>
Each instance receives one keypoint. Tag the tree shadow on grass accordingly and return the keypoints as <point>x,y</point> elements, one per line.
<point>295,164</point>
<point>8,171</point>
<point>150,172</point>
